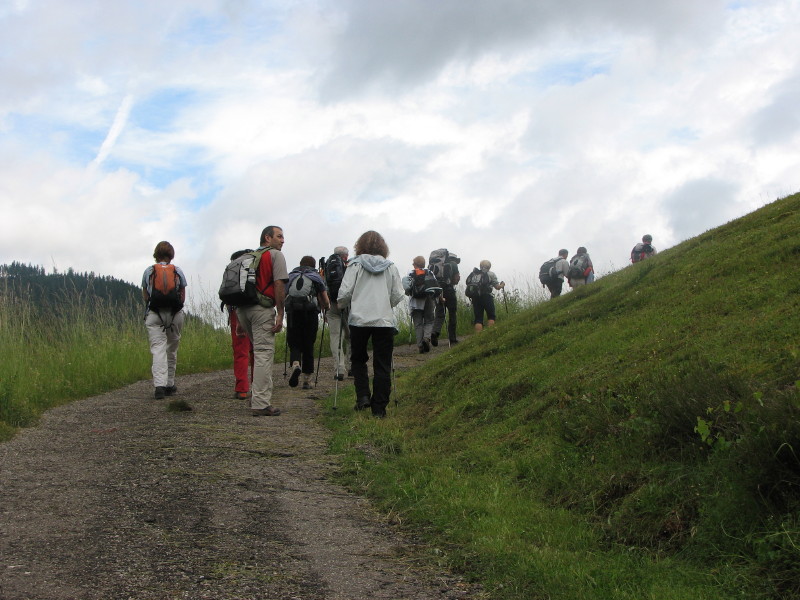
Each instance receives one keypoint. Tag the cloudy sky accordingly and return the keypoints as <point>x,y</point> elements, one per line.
<point>501,129</point>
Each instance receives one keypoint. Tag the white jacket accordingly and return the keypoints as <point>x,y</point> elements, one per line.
<point>370,288</point>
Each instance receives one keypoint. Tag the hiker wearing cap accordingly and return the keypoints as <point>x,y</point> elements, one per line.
<point>643,250</point>
<point>242,349</point>
<point>335,267</point>
<point>263,320</point>
<point>164,292</point>
<point>423,288</point>
<point>306,295</point>
<point>371,289</point>
<point>581,269</point>
<point>480,284</point>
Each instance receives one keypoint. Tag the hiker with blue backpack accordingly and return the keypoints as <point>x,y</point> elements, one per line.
<point>479,286</point>
<point>164,293</point>
<point>306,296</point>
<point>370,290</point>
<point>424,290</point>
<point>553,272</point>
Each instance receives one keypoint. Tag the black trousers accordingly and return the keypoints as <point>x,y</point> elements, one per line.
<point>382,346</point>
<point>450,303</point>
<point>301,333</point>
<point>555,288</point>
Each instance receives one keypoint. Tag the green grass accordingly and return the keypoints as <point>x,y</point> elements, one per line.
<point>636,438</point>
<point>81,348</point>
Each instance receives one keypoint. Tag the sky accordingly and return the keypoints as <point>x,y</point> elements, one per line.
<point>499,129</point>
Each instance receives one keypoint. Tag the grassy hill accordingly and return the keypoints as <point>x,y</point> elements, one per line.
<point>637,438</point>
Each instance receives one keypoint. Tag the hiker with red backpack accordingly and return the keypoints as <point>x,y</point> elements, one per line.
<point>164,292</point>
<point>479,286</point>
<point>264,318</point>
<point>643,250</point>
<point>581,269</point>
<point>423,288</point>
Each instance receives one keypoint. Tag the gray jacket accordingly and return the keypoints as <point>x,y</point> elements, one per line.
<point>371,289</point>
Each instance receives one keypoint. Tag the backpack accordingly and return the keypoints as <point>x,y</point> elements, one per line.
<point>477,284</point>
<point>301,294</point>
<point>238,287</point>
<point>165,284</point>
<point>640,252</point>
<point>547,272</point>
<point>439,266</point>
<point>424,284</point>
<point>334,272</point>
<point>578,266</point>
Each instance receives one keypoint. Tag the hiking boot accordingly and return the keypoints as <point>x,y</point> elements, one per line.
<point>171,390</point>
<point>435,339</point>
<point>421,349</point>
<point>270,411</point>
<point>379,414</point>
<point>339,376</point>
<point>160,392</point>
<point>426,345</point>
<point>453,342</point>
<point>295,377</point>
<point>363,403</point>
<point>241,395</point>
<point>306,385</point>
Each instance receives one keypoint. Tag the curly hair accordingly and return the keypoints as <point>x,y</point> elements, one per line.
<point>372,242</point>
<point>164,251</point>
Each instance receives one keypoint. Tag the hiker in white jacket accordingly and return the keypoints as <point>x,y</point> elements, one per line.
<point>370,290</point>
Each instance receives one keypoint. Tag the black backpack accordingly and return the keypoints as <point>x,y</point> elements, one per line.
<point>424,284</point>
<point>547,272</point>
<point>334,272</point>
<point>477,284</point>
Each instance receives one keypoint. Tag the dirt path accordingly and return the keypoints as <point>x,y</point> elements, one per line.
<point>113,497</point>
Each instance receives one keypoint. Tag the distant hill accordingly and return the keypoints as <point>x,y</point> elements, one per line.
<point>43,289</point>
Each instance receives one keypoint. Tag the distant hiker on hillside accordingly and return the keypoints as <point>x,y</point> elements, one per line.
<point>164,291</point>
<point>306,295</point>
<point>581,269</point>
<point>337,322</point>
<point>480,284</point>
<point>444,265</point>
<point>242,349</point>
<point>553,272</point>
<point>371,289</point>
<point>423,288</point>
<point>643,250</point>
<point>264,319</point>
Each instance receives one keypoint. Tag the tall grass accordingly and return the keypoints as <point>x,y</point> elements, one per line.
<point>83,345</point>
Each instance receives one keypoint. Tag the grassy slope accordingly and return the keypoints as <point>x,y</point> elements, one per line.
<point>637,438</point>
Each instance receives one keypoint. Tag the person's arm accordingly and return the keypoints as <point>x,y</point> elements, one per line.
<point>280,297</point>
<point>397,292</point>
<point>324,302</point>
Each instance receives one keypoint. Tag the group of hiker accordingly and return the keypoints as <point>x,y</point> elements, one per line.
<point>357,298</point>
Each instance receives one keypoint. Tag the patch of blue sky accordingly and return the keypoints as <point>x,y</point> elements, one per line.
<point>159,111</point>
<point>204,186</point>
<point>684,134</point>
<point>202,30</point>
<point>563,73</point>
<point>76,144</point>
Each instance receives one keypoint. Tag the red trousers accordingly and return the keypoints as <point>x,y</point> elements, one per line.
<point>242,356</point>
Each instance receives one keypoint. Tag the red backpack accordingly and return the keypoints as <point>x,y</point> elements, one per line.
<point>165,283</point>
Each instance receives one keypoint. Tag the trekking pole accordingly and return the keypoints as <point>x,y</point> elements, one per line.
<point>410,327</point>
<point>338,360</point>
<point>446,327</point>
<point>321,339</point>
<point>394,383</point>
<point>505,302</point>
<point>285,347</point>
